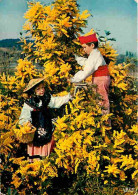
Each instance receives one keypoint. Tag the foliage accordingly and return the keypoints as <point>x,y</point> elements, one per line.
<point>90,155</point>
<point>86,142</point>
<point>34,177</point>
<point>54,29</point>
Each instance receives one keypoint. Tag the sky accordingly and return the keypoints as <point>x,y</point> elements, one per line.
<point>117,16</point>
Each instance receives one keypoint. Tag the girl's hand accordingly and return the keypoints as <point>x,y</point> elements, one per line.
<point>28,124</point>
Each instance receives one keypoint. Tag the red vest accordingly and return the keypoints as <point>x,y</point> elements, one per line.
<point>102,71</point>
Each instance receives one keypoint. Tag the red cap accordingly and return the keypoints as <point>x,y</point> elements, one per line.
<point>88,39</point>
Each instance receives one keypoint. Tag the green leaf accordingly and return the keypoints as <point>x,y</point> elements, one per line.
<point>107,32</point>
<point>112,39</point>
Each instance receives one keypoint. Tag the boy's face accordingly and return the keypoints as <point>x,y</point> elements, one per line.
<point>40,90</point>
<point>87,49</point>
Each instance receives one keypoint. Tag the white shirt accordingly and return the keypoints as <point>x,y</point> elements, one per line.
<point>55,102</point>
<point>90,64</point>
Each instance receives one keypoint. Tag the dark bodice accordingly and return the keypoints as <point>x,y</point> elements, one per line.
<point>41,119</point>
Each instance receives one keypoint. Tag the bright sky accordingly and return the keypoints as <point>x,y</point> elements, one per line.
<point>117,16</point>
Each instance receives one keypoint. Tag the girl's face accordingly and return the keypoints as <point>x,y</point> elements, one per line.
<point>40,90</point>
<point>87,49</point>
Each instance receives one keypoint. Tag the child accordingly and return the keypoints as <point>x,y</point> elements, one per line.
<point>36,112</point>
<point>94,65</point>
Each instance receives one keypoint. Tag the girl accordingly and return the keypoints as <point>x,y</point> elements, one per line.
<point>35,111</point>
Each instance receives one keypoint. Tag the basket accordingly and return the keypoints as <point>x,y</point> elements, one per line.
<point>23,134</point>
<point>28,137</point>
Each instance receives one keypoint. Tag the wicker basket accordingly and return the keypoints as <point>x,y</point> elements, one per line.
<point>28,137</point>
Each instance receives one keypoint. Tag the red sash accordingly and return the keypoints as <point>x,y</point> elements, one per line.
<point>102,71</point>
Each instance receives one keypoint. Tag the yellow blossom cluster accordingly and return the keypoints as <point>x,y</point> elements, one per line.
<point>119,73</point>
<point>78,147</point>
<point>54,37</point>
<point>9,82</point>
<point>76,131</point>
<point>25,71</point>
<point>108,51</point>
<point>33,175</point>
<point>123,96</point>
<point>9,112</point>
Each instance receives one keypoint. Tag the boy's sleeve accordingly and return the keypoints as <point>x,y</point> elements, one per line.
<point>57,102</point>
<point>90,66</point>
<point>83,74</point>
<point>80,60</point>
<point>25,114</point>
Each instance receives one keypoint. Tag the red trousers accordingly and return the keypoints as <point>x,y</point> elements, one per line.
<point>103,83</point>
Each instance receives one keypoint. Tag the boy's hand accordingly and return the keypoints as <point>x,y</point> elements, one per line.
<point>72,92</point>
<point>68,80</point>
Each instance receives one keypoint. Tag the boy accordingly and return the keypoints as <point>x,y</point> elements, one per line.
<point>94,65</point>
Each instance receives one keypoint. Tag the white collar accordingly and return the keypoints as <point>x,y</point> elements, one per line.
<point>93,51</point>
